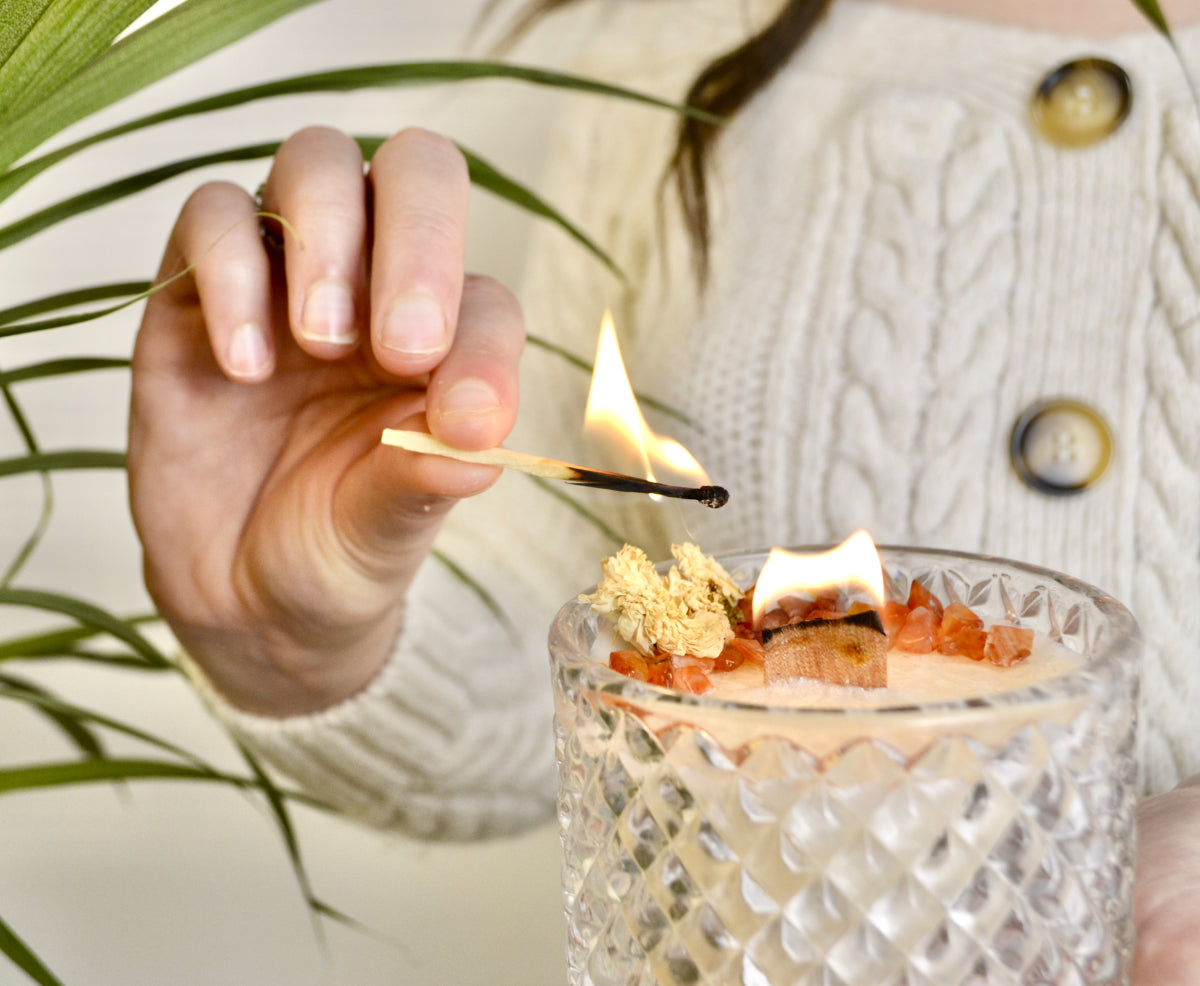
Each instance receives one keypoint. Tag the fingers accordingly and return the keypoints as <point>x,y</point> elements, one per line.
<point>473,394</point>
<point>217,236</point>
<point>316,184</point>
<point>391,501</point>
<point>421,187</point>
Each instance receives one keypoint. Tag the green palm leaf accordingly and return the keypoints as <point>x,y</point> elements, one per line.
<point>556,491</point>
<point>123,188</point>
<point>22,956</point>
<point>61,368</point>
<point>64,719</point>
<point>88,615</point>
<point>345,80</point>
<point>20,17</point>
<point>189,32</point>
<point>484,174</point>
<point>41,325</point>
<point>32,777</point>
<point>17,413</point>
<point>67,710</point>
<point>64,37</point>
<point>71,299</point>
<point>581,364</point>
<point>64,459</point>
<point>1154,14</point>
<point>56,643</point>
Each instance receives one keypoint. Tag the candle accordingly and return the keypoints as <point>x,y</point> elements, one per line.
<point>980,837</point>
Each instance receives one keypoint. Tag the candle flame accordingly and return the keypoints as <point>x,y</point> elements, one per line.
<point>614,418</point>
<point>853,564</point>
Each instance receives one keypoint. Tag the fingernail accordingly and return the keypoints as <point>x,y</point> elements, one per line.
<point>469,396</point>
<point>329,314</point>
<point>415,326</point>
<point>248,353</point>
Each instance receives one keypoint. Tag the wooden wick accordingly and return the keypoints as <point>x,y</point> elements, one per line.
<point>536,465</point>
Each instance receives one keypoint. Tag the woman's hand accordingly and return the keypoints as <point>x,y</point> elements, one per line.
<point>279,535</point>
<point>1167,894</point>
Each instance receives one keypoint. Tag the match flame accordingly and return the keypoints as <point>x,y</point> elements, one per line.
<point>854,564</point>
<point>614,419</point>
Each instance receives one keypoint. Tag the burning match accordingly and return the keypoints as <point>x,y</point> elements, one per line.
<point>534,465</point>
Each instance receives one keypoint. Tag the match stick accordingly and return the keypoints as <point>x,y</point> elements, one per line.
<point>536,465</point>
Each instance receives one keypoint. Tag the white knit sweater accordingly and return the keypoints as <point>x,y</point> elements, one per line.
<point>901,266</point>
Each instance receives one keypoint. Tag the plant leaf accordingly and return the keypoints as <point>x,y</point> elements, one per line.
<point>61,368</point>
<point>580,363</point>
<point>66,36</point>
<point>486,176</point>
<point>559,493</point>
<point>43,522</point>
<point>108,659</point>
<point>347,80</point>
<point>88,615</point>
<point>19,18</point>
<point>64,774</point>
<point>482,173</point>
<point>71,299</point>
<point>23,690</point>
<point>22,956</point>
<point>283,821</point>
<point>64,459</point>
<point>1154,15</point>
<point>57,643</point>
<point>476,587</point>
<point>54,704</point>
<point>122,188</point>
<point>67,773</point>
<point>179,37</point>
<point>42,325</point>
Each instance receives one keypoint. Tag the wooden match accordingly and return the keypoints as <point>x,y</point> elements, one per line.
<point>536,465</point>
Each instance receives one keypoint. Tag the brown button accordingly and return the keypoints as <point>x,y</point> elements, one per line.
<point>1061,446</point>
<point>1082,102</point>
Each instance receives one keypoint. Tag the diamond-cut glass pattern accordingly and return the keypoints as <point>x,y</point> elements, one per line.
<point>985,842</point>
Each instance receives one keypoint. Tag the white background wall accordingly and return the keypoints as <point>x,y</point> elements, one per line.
<point>166,883</point>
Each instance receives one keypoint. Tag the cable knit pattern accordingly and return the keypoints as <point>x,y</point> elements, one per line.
<point>935,263</point>
<point>901,266</point>
<point>1167,589</point>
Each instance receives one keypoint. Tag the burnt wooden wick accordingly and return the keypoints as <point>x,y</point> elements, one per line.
<point>846,650</point>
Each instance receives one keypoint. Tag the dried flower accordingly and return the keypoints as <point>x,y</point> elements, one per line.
<point>684,612</point>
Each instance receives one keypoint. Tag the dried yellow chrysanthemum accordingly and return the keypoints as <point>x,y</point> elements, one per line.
<point>684,612</point>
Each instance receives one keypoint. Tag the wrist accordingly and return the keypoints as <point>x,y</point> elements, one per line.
<point>258,673</point>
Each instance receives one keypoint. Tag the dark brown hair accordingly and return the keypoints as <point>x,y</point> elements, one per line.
<point>722,88</point>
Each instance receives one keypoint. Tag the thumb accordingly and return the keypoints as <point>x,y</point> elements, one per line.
<point>390,504</point>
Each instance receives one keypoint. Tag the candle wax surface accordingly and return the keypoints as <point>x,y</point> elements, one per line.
<point>913,679</point>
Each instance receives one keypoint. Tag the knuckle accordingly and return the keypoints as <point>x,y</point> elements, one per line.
<point>212,195</point>
<point>432,226</point>
<point>424,147</point>
<point>317,135</point>
<point>486,294</point>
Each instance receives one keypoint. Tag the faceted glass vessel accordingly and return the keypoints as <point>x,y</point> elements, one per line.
<point>984,841</point>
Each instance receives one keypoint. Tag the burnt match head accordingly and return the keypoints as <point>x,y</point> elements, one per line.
<point>710,496</point>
